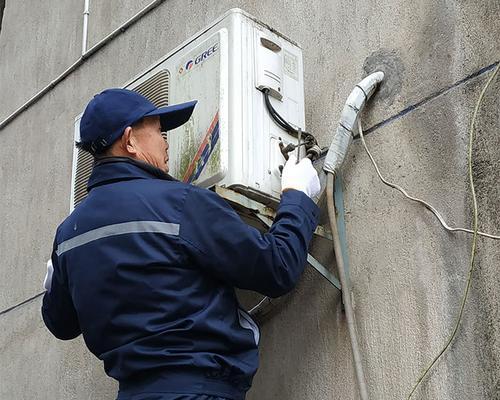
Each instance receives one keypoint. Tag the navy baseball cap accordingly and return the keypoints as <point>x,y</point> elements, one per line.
<point>110,112</point>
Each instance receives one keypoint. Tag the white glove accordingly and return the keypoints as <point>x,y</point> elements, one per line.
<point>301,176</point>
<point>47,283</point>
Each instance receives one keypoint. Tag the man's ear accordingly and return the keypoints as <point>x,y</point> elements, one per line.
<point>129,141</point>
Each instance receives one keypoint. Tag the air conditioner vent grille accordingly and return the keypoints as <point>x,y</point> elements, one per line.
<point>84,165</point>
<point>156,89</point>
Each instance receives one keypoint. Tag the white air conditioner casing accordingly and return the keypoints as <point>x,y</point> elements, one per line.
<point>230,140</point>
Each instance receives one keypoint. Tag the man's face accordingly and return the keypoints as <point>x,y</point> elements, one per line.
<point>150,145</point>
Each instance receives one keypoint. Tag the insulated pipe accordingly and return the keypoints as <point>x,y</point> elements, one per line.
<point>85,26</point>
<point>348,120</point>
<point>334,159</point>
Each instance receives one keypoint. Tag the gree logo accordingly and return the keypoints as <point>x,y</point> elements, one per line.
<point>199,59</point>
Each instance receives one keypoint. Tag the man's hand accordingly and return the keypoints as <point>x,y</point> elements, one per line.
<point>301,176</point>
<point>47,283</point>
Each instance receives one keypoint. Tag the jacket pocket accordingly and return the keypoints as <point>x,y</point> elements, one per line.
<point>247,322</point>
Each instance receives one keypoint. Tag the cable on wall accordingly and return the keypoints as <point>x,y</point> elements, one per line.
<point>474,237</point>
<point>22,303</point>
<point>118,31</point>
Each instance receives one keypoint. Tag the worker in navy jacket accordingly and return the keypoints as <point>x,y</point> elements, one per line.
<point>145,267</point>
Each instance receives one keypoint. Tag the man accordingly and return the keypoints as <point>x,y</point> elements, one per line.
<point>145,267</point>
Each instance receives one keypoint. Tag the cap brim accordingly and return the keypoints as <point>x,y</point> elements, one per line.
<point>174,116</point>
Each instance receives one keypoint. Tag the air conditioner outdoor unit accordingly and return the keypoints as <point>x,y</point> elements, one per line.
<point>230,142</point>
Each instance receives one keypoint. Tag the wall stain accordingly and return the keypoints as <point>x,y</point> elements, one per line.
<point>389,62</point>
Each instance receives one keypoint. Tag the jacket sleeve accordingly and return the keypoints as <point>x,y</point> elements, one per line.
<point>58,311</point>
<point>222,244</point>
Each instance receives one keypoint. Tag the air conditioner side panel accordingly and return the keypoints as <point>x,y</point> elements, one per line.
<point>199,148</point>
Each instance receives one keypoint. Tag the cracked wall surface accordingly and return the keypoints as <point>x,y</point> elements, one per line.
<point>407,273</point>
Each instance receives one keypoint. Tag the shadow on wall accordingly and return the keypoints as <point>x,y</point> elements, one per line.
<point>2,6</point>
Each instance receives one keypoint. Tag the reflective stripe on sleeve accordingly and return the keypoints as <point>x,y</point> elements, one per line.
<point>118,229</point>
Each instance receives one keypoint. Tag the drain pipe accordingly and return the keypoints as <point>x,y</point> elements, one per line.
<point>94,49</point>
<point>86,13</point>
<point>333,161</point>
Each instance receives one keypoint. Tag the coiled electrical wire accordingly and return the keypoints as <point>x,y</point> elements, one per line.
<point>474,237</point>
<point>304,138</point>
<point>276,117</point>
<point>424,203</point>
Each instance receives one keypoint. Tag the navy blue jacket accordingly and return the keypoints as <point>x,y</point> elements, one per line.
<point>145,269</point>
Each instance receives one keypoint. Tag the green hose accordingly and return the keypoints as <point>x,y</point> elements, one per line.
<point>346,292</point>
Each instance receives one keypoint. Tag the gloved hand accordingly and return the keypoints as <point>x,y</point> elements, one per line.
<point>301,176</point>
<point>47,283</point>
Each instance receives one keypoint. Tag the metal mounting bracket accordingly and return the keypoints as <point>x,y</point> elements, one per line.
<point>260,209</point>
<point>325,273</point>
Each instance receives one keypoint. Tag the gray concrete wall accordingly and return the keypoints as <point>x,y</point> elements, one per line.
<point>407,273</point>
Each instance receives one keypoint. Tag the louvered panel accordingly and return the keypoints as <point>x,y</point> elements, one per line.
<point>84,164</point>
<point>156,88</point>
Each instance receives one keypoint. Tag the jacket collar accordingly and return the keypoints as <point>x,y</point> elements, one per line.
<point>115,169</point>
